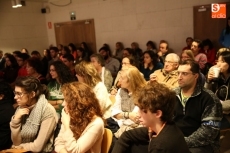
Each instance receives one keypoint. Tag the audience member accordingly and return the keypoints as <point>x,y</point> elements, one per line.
<point>68,60</point>
<point>45,60</point>
<point>168,75</point>
<point>87,49</point>
<point>156,103</point>
<point>150,64</point>
<point>151,46</point>
<point>99,63</point>
<point>164,50</point>
<point>16,53</point>
<point>34,68</point>
<point>65,50</point>
<point>225,35</point>
<point>81,55</point>
<point>59,74</point>
<point>221,85</point>
<point>127,52</point>
<point>200,127</point>
<point>6,112</point>
<point>22,60</point>
<point>34,122</point>
<point>209,51</point>
<point>136,50</point>
<point>73,50</point>
<point>111,63</point>
<point>201,58</point>
<point>87,73</point>
<point>36,54</point>
<point>60,48</point>
<point>2,61</point>
<point>124,111</point>
<point>187,54</point>
<point>82,126</point>
<point>119,50</point>
<point>24,50</point>
<point>189,41</point>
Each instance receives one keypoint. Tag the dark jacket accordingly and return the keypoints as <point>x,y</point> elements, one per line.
<point>200,119</point>
<point>2,63</point>
<point>169,140</point>
<point>6,112</point>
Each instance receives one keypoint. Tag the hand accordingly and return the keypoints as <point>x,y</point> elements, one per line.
<point>153,77</point>
<point>65,119</point>
<point>210,74</point>
<point>114,91</point>
<point>160,53</point>
<point>20,112</point>
<point>134,116</point>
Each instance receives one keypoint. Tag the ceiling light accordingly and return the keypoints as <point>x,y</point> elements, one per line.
<point>14,4</point>
<point>18,3</point>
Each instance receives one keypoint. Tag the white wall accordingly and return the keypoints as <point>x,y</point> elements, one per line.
<point>132,20</point>
<point>23,27</point>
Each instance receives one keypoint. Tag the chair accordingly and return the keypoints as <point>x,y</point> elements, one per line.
<point>106,141</point>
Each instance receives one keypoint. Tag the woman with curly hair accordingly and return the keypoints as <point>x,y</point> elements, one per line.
<point>60,75</point>
<point>87,73</point>
<point>82,124</point>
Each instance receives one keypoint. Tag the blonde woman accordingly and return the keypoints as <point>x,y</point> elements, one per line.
<point>82,124</point>
<point>187,54</point>
<point>87,73</point>
<point>124,111</point>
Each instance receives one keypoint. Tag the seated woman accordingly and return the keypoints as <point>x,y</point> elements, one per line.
<point>150,64</point>
<point>6,112</point>
<point>86,72</point>
<point>34,68</point>
<point>187,54</point>
<point>124,110</point>
<point>60,74</point>
<point>221,85</point>
<point>99,63</point>
<point>82,124</point>
<point>33,124</point>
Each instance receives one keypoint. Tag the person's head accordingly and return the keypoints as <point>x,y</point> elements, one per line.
<point>97,61</point>
<point>60,47</point>
<point>151,45</point>
<point>187,54</point>
<point>131,79</point>
<point>6,92</point>
<point>171,62</point>
<point>81,104</point>
<point>46,53</point>
<point>207,44</point>
<point>60,72</point>
<point>28,89</point>
<point>188,74</point>
<point>68,60</point>
<point>16,53</point>
<point>22,59</point>
<point>105,52</point>
<point>87,73</point>
<point>127,52</point>
<point>222,50</point>
<point>156,103</point>
<point>72,47</point>
<point>196,46</point>
<point>150,57</point>
<point>24,50</point>
<point>163,46</point>
<point>36,54</point>
<point>189,41</point>
<point>1,53</point>
<point>34,66</point>
<point>54,52</point>
<point>224,62</point>
<point>128,61</point>
<point>119,46</point>
<point>134,45</point>
<point>11,61</point>
<point>65,50</point>
<point>80,52</point>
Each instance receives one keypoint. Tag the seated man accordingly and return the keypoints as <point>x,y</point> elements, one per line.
<point>167,75</point>
<point>156,114</point>
<point>198,111</point>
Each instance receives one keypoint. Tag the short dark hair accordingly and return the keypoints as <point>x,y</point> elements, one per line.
<point>200,45</point>
<point>17,52</point>
<point>55,49</point>
<point>69,57</point>
<point>152,44</point>
<point>155,96</point>
<point>165,42</point>
<point>23,56</point>
<point>195,68</point>
<point>7,91</point>
<point>99,58</point>
<point>29,84</point>
<point>189,38</point>
<point>35,52</point>
<point>36,64</point>
<point>104,48</point>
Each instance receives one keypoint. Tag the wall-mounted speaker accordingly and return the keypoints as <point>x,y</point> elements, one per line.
<point>43,10</point>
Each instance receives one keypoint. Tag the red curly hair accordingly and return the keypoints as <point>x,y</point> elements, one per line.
<point>82,106</point>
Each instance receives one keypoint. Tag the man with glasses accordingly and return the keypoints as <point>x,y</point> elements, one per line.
<point>167,75</point>
<point>198,111</point>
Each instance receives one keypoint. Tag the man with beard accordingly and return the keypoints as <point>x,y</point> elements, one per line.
<point>111,63</point>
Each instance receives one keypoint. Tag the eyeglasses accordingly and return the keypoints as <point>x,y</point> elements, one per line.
<point>170,62</point>
<point>19,94</point>
<point>184,73</point>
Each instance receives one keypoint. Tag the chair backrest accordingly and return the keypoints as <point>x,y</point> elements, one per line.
<point>106,141</point>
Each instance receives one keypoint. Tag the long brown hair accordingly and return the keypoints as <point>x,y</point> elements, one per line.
<point>82,106</point>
